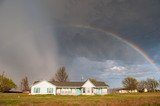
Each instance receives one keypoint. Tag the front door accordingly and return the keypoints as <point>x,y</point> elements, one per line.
<point>78,91</point>
<point>98,91</point>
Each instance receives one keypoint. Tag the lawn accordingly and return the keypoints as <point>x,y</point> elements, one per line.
<point>136,99</point>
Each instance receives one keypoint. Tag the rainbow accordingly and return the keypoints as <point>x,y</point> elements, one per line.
<point>129,43</point>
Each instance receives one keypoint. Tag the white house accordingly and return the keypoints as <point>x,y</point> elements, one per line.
<point>70,88</point>
<point>92,88</point>
<point>43,87</point>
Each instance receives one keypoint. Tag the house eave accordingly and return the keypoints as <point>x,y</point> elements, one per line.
<point>101,87</point>
<point>69,87</point>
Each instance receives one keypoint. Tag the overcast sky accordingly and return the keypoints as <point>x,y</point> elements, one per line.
<point>103,39</point>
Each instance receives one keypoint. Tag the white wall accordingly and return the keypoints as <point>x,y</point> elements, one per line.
<point>66,91</point>
<point>88,85</point>
<point>43,85</point>
<point>104,91</point>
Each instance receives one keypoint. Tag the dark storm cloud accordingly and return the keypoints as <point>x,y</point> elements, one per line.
<point>95,45</point>
<point>1,2</point>
<point>136,20</point>
<point>132,20</point>
<point>36,36</point>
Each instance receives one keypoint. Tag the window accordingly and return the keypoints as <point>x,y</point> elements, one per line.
<point>83,90</point>
<point>36,90</point>
<point>49,90</point>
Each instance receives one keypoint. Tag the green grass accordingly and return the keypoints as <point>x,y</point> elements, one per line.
<point>135,99</point>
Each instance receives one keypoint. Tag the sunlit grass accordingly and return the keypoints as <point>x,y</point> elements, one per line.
<point>135,99</point>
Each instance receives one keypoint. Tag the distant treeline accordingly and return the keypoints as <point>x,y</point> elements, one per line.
<point>129,83</point>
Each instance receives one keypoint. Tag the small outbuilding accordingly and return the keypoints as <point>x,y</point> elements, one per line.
<point>123,90</point>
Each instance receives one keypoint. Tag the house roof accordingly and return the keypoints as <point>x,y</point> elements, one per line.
<point>39,82</point>
<point>99,84</point>
<point>73,84</point>
<point>78,84</point>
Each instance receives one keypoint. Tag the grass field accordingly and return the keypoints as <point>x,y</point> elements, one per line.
<point>136,99</point>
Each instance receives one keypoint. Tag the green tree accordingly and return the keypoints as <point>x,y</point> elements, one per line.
<point>151,84</point>
<point>130,83</point>
<point>25,84</point>
<point>6,84</point>
<point>61,75</point>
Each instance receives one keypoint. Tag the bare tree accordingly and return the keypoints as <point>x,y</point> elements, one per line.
<point>93,79</point>
<point>151,84</point>
<point>24,84</point>
<point>142,85</point>
<point>52,79</point>
<point>130,83</point>
<point>61,75</point>
<point>36,82</point>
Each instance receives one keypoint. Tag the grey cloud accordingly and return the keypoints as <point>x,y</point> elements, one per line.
<point>92,44</point>
<point>27,45</point>
<point>112,71</point>
<point>36,36</point>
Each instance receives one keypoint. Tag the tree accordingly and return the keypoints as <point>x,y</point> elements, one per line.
<point>6,84</point>
<point>142,85</point>
<point>61,75</point>
<point>130,83</point>
<point>24,84</point>
<point>151,84</point>
<point>93,79</point>
<point>52,80</point>
<point>35,82</point>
